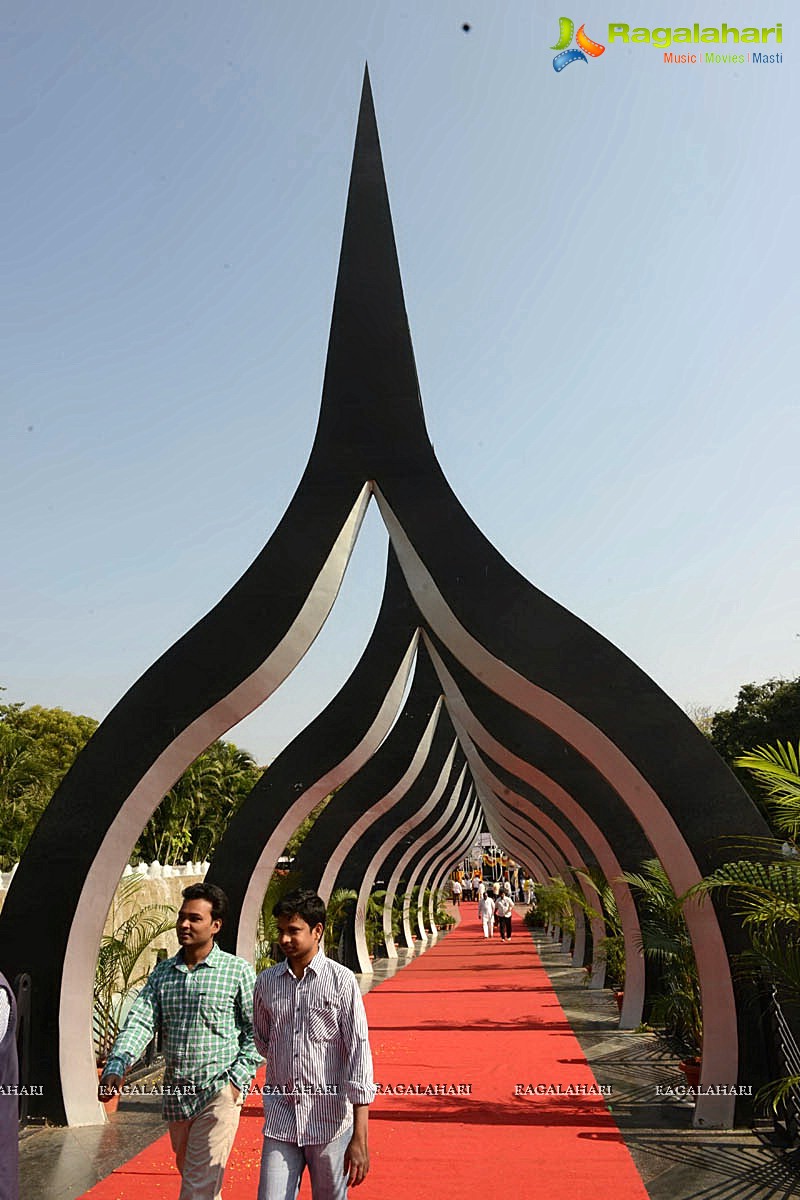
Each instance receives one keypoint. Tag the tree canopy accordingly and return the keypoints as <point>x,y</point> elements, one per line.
<point>764,714</point>
<point>38,746</point>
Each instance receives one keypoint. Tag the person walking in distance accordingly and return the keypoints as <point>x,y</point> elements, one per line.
<point>201,1000</point>
<point>486,913</point>
<point>504,907</point>
<point>309,1023</point>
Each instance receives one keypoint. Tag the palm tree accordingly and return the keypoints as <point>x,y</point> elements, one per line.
<point>554,904</point>
<point>611,949</point>
<point>666,943</point>
<point>120,971</point>
<point>763,890</point>
<point>195,811</point>
<point>339,908</point>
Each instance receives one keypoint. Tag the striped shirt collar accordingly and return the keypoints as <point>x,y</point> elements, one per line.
<point>315,966</point>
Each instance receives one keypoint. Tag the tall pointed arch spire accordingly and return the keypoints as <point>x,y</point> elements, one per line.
<point>370,372</point>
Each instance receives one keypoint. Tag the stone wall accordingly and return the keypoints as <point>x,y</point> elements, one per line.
<point>158,885</point>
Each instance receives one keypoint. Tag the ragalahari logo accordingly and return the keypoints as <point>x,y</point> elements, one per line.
<point>566,28</point>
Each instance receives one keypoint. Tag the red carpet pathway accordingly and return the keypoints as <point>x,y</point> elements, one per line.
<point>483,1084</point>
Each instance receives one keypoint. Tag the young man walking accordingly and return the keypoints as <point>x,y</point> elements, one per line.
<point>310,1025</point>
<point>202,1002</point>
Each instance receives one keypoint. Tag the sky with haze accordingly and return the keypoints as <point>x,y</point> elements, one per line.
<point>600,270</point>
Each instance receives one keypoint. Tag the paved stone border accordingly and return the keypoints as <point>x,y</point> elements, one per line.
<point>676,1161</point>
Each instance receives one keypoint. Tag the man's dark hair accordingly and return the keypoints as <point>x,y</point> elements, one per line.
<point>213,894</point>
<point>305,903</point>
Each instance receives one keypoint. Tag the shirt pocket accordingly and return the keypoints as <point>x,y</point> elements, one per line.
<point>323,1023</point>
<point>214,1013</point>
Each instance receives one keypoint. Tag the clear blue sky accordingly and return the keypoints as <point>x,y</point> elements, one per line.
<point>600,269</point>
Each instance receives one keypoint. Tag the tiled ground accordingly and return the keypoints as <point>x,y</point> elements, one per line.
<point>675,1161</point>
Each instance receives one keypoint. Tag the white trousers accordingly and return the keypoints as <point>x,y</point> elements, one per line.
<point>488,926</point>
<point>202,1145</point>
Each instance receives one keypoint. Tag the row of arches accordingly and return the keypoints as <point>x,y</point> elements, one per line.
<point>519,716</point>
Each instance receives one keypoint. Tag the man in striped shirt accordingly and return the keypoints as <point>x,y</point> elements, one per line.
<point>310,1025</point>
<point>202,1002</point>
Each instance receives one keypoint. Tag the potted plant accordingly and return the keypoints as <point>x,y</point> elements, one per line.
<point>123,964</point>
<point>611,951</point>
<point>611,948</point>
<point>666,943</point>
<point>443,917</point>
<point>554,906</point>
<point>763,890</point>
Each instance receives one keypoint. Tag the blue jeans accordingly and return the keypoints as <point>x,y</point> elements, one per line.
<point>282,1165</point>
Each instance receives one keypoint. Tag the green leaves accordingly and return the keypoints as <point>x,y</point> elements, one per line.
<point>554,903</point>
<point>195,812</point>
<point>38,746</point>
<point>764,890</point>
<point>765,714</point>
<point>666,943</point>
<point>121,968</point>
<point>777,769</point>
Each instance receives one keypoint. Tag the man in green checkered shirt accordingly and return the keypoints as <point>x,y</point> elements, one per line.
<point>201,1001</point>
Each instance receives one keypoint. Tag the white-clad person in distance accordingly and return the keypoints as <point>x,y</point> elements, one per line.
<point>486,913</point>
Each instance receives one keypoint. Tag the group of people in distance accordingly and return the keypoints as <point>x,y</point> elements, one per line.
<point>495,901</point>
<point>521,889</point>
<point>305,1016</point>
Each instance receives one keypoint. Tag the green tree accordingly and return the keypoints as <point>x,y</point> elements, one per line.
<point>666,943</point>
<point>59,735</point>
<point>765,714</point>
<point>611,948</point>
<point>37,748</point>
<point>554,904</point>
<point>195,812</point>
<point>764,891</point>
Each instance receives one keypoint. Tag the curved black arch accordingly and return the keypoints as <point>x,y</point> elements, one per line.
<point>538,658</point>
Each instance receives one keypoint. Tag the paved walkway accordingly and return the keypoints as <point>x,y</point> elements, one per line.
<point>674,1161</point>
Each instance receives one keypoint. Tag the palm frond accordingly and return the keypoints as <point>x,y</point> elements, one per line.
<point>777,769</point>
<point>777,1091</point>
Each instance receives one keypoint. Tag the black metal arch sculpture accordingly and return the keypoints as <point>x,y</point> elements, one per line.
<point>509,638</point>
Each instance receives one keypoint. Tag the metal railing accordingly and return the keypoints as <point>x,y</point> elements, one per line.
<point>22,995</point>
<point>786,1116</point>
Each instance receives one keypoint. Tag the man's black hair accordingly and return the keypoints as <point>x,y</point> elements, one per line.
<point>305,903</point>
<point>213,894</point>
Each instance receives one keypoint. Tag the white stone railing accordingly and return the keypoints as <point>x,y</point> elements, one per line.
<point>153,870</point>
